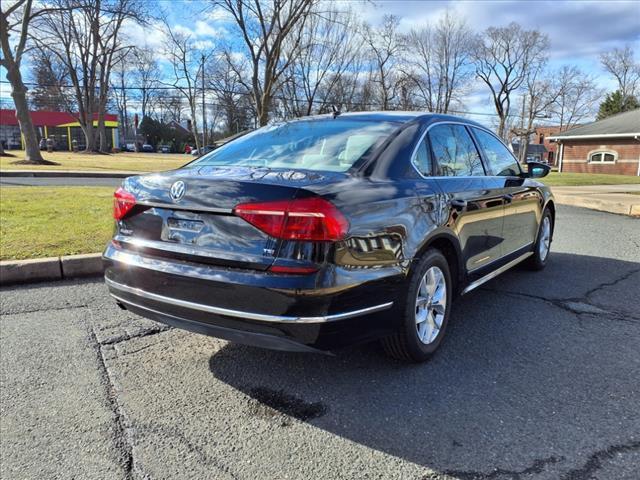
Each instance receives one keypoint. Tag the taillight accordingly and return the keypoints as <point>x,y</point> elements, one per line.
<point>314,219</point>
<point>123,201</point>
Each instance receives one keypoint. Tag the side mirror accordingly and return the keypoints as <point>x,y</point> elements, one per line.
<point>537,169</point>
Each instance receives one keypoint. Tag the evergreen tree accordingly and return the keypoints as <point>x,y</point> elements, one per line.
<point>615,102</point>
<point>47,95</point>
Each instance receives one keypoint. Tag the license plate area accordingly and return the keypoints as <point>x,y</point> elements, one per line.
<point>184,225</point>
<point>184,230</point>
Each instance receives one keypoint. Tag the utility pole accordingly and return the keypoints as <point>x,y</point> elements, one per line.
<point>204,111</point>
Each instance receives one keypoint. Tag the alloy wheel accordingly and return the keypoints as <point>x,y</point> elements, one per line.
<point>544,243</point>
<point>431,304</point>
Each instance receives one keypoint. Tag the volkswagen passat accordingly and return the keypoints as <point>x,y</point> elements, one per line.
<point>317,233</point>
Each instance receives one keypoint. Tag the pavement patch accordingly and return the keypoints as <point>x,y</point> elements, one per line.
<point>270,402</point>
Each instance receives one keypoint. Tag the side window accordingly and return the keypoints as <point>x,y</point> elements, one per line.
<point>454,151</point>
<point>422,159</point>
<point>501,161</point>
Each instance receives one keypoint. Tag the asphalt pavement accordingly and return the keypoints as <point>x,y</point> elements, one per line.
<point>538,379</point>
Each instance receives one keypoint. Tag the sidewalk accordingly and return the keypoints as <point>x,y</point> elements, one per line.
<point>622,199</point>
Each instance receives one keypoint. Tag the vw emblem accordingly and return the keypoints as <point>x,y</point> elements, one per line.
<point>177,190</point>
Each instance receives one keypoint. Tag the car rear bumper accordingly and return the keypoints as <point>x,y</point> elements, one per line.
<point>284,312</point>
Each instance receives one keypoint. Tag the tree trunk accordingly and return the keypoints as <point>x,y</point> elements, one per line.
<point>89,136</point>
<point>19,93</point>
<point>263,111</point>
<point>501,126</point>
<point>102,133</point>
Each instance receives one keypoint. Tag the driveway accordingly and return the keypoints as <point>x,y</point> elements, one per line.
<point>538,379</point>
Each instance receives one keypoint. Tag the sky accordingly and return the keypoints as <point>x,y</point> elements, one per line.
<point>579,31</point>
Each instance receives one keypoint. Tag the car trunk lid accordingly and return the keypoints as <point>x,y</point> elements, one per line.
<point>188,214</point>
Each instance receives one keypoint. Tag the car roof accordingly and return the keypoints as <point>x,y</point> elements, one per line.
<point>395,117</point>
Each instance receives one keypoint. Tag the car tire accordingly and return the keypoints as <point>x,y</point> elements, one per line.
<point>542,247</point>
<point>428,298</point>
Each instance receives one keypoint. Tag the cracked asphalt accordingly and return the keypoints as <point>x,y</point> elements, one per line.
<point>539,378</point>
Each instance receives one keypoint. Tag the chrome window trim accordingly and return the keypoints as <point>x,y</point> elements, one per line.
<point>447,122</point>
<point>241,314</point>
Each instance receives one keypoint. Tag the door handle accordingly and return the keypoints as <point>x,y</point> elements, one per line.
<point>458,204</point>
<point>508,198</point>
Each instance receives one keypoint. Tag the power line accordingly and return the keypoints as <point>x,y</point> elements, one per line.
<point>245,93</point>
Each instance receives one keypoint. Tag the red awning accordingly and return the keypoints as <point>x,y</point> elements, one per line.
<point>41,118</point>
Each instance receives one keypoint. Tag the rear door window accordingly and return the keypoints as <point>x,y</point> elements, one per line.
<point>422,159</point>
<point>500,160</point>
<point>454,151</point>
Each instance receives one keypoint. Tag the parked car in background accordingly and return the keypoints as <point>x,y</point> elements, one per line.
<point>165,148</point>
<point>198,152</point>
<point>128,147</point>
<point>147,148</point>
<point>325,231</point>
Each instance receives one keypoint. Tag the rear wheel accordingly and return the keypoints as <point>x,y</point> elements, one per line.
<point>538,260</point>
<point>424,310</point>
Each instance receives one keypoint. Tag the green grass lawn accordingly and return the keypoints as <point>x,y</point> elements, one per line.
<point>126,161</point>
<point>51,221</point>
<point>577,179</point>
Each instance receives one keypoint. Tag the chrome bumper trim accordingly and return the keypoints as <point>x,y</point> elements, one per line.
<point>237,313</point>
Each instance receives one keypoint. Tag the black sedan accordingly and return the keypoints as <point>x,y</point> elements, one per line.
<point>314,234</point>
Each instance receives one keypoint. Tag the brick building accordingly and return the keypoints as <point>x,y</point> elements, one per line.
<point>541,137</point>
<point>61,127</point>
<point>611,146</point>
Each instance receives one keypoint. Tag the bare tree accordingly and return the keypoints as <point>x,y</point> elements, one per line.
<point>440,62</point>
<point>264,26</point>
<point>504,56</point>
<point>385,45</point>
<point>233,99</point>
<point>146,72</point>
<point>186,67</point>
<point>540,93</point>
<point>16,18</point>
<point>578,96</point>
<point>85,36</point>
<point>119,91</point>
<point>329,48</point>
<point>170,106</point>
<point>621,64</point>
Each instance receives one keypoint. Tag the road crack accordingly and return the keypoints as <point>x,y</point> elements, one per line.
<point>130,336</point>
<point>613,283</point>
<point>581,305</point>
<point>536,467</point>
<point>597,459</point>
<point>49,309</point>
<point>123,441</point>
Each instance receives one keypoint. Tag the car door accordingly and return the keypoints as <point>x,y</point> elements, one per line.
<point>473,202</point>
<point>523,202</point>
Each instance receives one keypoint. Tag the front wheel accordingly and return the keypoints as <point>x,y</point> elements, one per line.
<point>538,260</point>
<point>424,310</point>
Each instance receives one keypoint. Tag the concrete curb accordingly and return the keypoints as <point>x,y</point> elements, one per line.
<point>66,174</point>
<point>597,204</point>
<point>53,268</point>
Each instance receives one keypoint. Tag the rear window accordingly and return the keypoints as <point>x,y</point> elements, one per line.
<point>325,145</point>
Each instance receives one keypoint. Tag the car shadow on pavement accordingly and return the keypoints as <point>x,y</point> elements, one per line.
<point>535,376</point>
